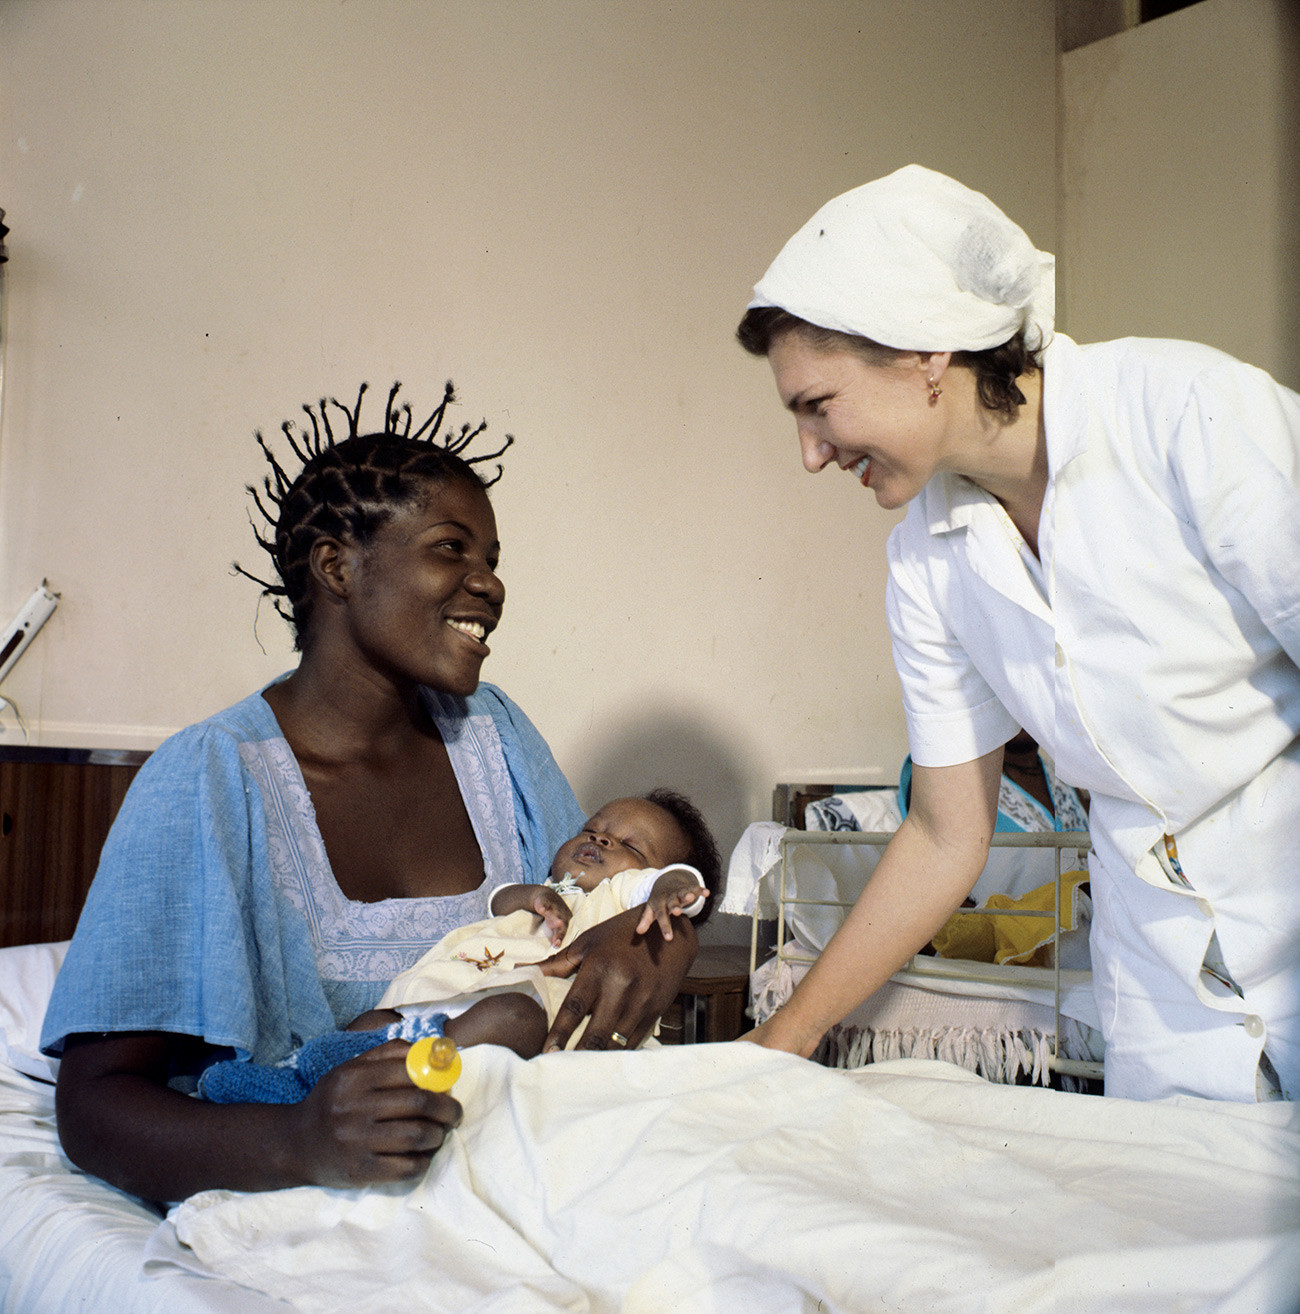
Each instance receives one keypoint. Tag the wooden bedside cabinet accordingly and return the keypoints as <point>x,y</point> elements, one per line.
<point>712,1000</point>
<point>56,805</point>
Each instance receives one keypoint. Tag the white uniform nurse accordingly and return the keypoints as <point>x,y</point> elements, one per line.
<point>1102,545</point>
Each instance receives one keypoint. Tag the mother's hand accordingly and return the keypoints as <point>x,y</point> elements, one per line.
<point>365,1121</point>
<point>624,981</point>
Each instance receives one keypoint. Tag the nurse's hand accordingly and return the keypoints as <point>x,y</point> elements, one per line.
<point>781,1032</point>
<point>624,981</point>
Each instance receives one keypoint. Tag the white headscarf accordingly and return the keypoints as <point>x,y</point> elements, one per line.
<point>918,262</point>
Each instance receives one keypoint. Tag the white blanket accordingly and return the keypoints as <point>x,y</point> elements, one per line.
<point>728,1178</point>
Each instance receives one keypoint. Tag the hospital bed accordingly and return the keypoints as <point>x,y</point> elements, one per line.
<point>688,1179</point>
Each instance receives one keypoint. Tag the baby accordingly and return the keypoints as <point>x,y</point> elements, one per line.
<point>481,984</point>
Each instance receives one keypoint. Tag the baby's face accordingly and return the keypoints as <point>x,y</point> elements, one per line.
<point>625,834</point>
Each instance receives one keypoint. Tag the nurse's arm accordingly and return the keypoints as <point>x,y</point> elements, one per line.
<point>925,872</point>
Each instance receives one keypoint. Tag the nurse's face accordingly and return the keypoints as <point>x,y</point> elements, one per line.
<point>874,420</point>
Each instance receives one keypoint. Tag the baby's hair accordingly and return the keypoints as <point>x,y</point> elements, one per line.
<point>348,489</point>
<point>703,853</point>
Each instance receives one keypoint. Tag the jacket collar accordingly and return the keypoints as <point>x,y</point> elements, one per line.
<point>949,502</point>
<point>1064,389</point>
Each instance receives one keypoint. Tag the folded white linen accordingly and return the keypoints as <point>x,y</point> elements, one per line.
<point>855,809</point>
<point>756,853</point>
<point>712,1177</point>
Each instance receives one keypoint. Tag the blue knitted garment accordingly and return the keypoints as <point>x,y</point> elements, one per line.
<point>234,1081</point>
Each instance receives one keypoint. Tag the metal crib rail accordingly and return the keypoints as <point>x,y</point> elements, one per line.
<point>923,965</point>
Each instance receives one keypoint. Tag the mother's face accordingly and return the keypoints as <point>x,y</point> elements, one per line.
<point>874,420</point>
<point>423,594</point>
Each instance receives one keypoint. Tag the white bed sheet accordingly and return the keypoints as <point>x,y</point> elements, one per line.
<point>69,1242</point>
<point>729,1178</point>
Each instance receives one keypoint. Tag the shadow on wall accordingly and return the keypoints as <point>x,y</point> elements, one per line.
<point>666,746</point>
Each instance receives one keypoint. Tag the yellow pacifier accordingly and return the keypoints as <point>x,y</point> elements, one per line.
<point>433,1063</point>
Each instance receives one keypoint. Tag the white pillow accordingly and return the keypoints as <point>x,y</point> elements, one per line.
<point>27,973</point>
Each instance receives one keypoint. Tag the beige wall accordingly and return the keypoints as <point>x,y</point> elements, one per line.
<point>224,208</point>
<point>1181,182</point>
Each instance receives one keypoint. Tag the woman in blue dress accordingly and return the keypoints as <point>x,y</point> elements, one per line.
<point>276,865</point>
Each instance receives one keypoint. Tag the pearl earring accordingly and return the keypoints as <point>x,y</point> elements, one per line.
<point>935,391</point>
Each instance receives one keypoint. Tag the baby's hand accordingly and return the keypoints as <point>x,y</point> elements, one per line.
<point>671,896</point>
<point>552,909</point>
<point>540,900</point>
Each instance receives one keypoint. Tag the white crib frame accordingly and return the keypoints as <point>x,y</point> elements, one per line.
<point>921,964</point>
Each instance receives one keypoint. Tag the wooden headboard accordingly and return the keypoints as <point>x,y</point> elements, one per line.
<point>56,805</point>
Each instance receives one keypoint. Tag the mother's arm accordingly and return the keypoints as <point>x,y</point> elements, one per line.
<point>927,869</point>
<point>624,981</point>
<point>363,1122</point>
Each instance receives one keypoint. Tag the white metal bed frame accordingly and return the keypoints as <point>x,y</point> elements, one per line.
<point>944,969</point>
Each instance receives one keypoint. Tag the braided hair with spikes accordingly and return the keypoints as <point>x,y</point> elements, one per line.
<point>348,489</point>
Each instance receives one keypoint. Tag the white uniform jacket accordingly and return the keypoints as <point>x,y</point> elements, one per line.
<point>1156,657</point>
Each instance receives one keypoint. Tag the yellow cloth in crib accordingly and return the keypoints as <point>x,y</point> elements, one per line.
<point>977,937</point>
